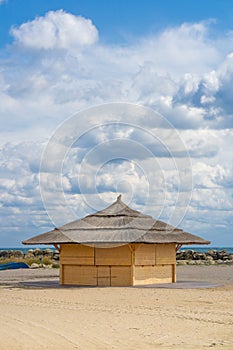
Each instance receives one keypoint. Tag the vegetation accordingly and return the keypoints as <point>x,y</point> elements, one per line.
<point>43,261</point>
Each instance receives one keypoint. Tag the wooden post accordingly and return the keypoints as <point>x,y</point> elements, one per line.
<point>132,249</point>
<point>173,273</point>
<point>61,276</point>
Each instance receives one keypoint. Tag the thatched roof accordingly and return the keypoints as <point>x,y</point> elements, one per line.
<point>118,223</point>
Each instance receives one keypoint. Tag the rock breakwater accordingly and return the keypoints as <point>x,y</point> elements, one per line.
<point>211,257</point>
<point>48,258</point>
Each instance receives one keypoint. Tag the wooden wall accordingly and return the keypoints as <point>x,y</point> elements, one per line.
<point>85,265</point>
<point>120,256</point>
<point>154,254</point>
<point>77,254</point>
<point>126,265</point>
<point>154,263</point>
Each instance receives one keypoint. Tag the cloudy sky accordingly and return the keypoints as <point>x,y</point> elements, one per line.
<point>101,98</point>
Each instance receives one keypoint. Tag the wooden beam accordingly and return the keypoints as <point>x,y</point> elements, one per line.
<point>132,250</point>
<point>178,246</point>
<point>56,246</point>
<point>133,246</point>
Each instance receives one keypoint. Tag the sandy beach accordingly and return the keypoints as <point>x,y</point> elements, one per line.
<point>37,317</point>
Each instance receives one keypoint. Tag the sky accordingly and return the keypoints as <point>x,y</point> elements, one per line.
<point>99,98</point>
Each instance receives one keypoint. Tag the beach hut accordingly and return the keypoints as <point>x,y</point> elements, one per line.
<point>117,246</point>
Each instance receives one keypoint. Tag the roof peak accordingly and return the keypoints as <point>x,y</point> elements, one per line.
<point>117,208</point>
<point>119,198</point>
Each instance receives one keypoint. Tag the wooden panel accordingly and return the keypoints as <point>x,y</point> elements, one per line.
<point>113,256</point>
<point>76,261</point>
<point>80,275</point>
<point>77,254</point>
<point>153,274</point>
<point>121,276</point>
<point>145,254</point>
<point>103,276</point>
<point>163,273</point>
<point>144,275</point>
<point>165,254</point>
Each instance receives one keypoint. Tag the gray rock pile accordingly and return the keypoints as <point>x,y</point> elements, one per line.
<point>211,257</point>
<point>41,253</point>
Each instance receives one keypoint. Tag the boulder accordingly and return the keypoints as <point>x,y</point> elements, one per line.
<point>211,252</point>
<point>191,262</point>
<point>4,254</point>
<point>211,262</point>
<point>17,253</point>
<point>29,255</point>
<point>209,258</point>
<point>181,262</point>
<point>200,262</point>
<point>198,256</point>
<point>34,266</point>
<point>48,252</point>
<point>37,252</point>
<point>56,256</point>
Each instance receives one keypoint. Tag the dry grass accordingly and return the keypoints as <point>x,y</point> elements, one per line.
<point>30,260</point>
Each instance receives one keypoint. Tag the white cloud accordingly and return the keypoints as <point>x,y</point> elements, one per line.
<point>56,30</point>
<point>57,66</point>
<point>186,85</point>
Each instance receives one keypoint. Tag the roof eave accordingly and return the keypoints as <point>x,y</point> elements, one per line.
<point>33,242</point>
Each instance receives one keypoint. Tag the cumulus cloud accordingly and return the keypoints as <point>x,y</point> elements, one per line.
<point>56,30</point>
<point>57,66</point>
<point>180,72</point>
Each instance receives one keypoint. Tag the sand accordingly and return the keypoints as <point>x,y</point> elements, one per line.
<point>117,318</point>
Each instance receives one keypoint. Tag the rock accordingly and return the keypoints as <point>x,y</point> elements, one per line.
<point>211,252</point>
<point>34,266</point>
<point>211,262</point>
<point>191,262</point>
<point>28,255</point>
<point>48,252</point>
<point>181,262</point>
<point>37,252</point>
<point>200,262</point>
<point>208,258</point>
<point>219,261</point>
<point>226,257</point>
<point>17,253</point>
<point>4,254</point>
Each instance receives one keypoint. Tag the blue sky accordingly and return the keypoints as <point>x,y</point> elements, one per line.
<point>58,58</point>
<point>120,20</point>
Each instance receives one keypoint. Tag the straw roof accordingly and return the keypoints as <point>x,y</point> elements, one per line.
<point>118,223</point>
